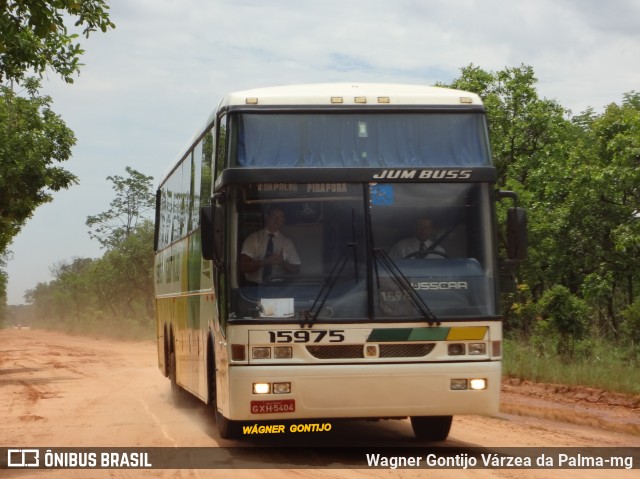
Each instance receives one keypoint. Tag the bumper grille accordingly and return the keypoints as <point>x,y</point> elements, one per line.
<point>356,351</point>
<point>336,352</point>
<point>405,350</point>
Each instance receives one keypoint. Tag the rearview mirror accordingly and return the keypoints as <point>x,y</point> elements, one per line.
<point>206,231</point>
<point>212,220</point>
<point>517,237</point>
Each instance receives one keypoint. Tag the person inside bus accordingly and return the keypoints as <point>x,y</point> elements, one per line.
<point>268,251</point>
<point>420,245</point>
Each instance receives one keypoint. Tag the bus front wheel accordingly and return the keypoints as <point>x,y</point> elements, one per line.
<point>431,428</point>
<point>227,428</point>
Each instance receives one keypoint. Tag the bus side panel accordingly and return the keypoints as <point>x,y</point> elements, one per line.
<point>161,338</point>
<point>223,391</point>
<point>163,314</point>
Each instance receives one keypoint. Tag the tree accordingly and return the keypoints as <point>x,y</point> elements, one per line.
<point>34,36</point>
<point>528,137</point>
<point>134,198</point>
<point>524,128</point>
<point>32,140</point>
<point>562,315</point>
<point>124,275</point>
<point>72,285</point>
<point>578,178</point>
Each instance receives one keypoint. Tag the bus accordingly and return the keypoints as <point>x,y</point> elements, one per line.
<point>287,286</point>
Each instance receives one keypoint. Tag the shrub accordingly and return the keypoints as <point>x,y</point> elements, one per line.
<point>630,329</point>
<point>563,320</point>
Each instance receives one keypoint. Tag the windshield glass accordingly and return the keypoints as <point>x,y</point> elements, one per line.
<point>345,251</point>
<point>438,238</point>
<point>319,240</point>
<point>360,140</point>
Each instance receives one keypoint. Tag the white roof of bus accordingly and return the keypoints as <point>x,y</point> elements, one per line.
<point>351,94</point>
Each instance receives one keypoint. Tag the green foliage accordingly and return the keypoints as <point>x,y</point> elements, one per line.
<point>520,311</point>
<point>134,198</point>
<point>34,35</point>
<point>562,324</point>
<point>565,312</point>
<point>523,127</point>
<point>602,365</point>
<point>32,140</point>
<point>116,289</point>
<point>631,326</point>
<point>118,286</point>
<point>124,275</point>
<point>577,177</point>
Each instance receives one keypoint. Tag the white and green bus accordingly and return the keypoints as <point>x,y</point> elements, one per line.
<point>350,314</point>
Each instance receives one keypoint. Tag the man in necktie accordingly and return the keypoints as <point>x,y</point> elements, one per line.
<point>266,270</point>
<point>419,246</point>
<point>268,251</point>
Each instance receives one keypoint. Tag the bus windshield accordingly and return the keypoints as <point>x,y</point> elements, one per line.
<point>361,252</point>
<point>360,140</point>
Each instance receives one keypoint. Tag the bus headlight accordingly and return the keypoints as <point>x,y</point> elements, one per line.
<point>456,349</point>
<point>478,384</point>
<point>283,352</point>
<point>261,388</point>
<point>459,385</point>
<point>478,348</point>
<point>261,353</point>
<point>281,388</point>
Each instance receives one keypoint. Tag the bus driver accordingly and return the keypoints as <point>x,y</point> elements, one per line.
<point>419,246</point>
<point>266,248</point>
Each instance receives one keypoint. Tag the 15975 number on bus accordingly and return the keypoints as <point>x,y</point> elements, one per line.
<point>306,336</point>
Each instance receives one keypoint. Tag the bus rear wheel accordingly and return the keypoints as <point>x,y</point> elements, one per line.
<point>177,393</point>
<point>431,428</point>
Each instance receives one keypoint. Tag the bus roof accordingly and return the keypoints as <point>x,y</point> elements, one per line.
<point>350,94</point>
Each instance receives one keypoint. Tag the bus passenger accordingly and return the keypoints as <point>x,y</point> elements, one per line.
<point>420,245</point>
<point>266,248</point>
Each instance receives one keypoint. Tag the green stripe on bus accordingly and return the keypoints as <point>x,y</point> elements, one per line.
<point>429,334</point>
<point>408,334</point>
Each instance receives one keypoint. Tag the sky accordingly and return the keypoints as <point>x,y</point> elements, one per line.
<point>146,86</point>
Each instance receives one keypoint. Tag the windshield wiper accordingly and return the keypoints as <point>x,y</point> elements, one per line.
<point>309,316</point>
<point>404,284</point>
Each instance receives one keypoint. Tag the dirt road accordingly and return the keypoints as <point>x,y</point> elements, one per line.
<point>58,390</point>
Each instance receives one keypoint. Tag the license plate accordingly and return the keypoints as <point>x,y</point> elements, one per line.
<point>273,406</point>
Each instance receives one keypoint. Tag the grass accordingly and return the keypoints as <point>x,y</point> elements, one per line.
<point>596,364</point>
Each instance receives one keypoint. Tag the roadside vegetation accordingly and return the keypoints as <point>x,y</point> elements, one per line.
<point>574,316</point>
<point>602,365</point>
<point>111,295</point>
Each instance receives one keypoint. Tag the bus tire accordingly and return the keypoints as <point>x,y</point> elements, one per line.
<point>431,428</point>
<point>227,428</point>
<point>177,393</point>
